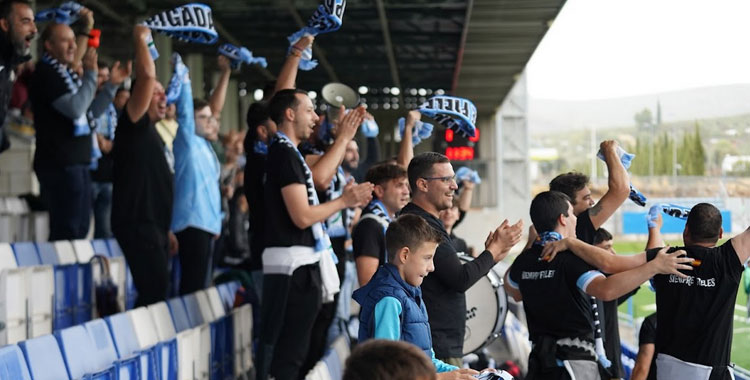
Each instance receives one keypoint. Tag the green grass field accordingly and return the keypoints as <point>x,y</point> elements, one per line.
<point>644,303</point>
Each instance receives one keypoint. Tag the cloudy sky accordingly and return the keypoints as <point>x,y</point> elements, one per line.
<point>600,49</point>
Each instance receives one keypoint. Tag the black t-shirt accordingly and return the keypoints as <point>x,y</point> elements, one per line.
<point>283,167</point>
<point>368,239</point>
<point>142,190</point>
<point>647,335</point>
<point>611,334</point>
<point>254,172</point>
<point>585,230</point>
<point>695,314</point>
<point>56,146</point>
<point>555,306</point>
<point>459,244</point>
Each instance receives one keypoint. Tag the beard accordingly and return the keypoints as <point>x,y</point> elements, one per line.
<point>19,42</point>
<point>348,167</point>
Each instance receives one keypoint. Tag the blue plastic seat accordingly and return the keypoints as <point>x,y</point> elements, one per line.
<point>331,358</point>
<point>100,247</point>
<point>179,314</point>
<point>227,297</point>
<point>123,334</point>
<point>84,306</point>
<point>66,286</point>
<point>44,358</point>
<point>126,368</point>
<point>114,247</point>
<point>12,364</point>
<point>81,358</point>
<point>26,254</point>
<point>193,310</point>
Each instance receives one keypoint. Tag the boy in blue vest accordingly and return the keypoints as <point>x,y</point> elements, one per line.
<point>392,306</point>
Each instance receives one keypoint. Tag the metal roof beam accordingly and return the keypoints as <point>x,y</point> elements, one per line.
<point>389,47</point>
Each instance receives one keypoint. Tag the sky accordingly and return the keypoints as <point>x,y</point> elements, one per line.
<point>598,49</point>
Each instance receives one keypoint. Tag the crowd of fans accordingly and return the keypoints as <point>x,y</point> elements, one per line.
<point>286,205</point>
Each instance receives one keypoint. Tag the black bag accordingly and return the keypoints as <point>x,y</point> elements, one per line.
<point>105,290</point>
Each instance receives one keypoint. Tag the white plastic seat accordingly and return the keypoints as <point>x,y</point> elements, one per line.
<point>118,271</point>
<point>65,252</point>
<point>13,297</point>
<point>242,319</point>
<point>162,321</point>
<point>205,306</point>
<point>186,340</point>
<point>319,372</point>
<point>143,324</point>
<point>83,250</point>
<point>214,299</point>
<point>40,280</point>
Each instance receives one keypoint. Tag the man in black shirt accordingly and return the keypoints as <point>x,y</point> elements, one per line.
<point>644,368</point>
<point>17,30</point>
<point>592,216</point>
<point>297,259</point>
<point>60,101</point>
<point>556,293</point>
<point>694,312</point>
<point>143,181</point>
<point>391,194</point>
<point>433,185</point>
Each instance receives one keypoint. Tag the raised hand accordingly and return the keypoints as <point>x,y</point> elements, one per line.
<point>90,59</point>
<point>119,73</point>
<point>672,263</point>
<point>346,126</point>
<point>356,195</point>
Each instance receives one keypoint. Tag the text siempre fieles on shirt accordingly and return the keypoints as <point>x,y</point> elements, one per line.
<point>692,280</point>
<point>540,275</point>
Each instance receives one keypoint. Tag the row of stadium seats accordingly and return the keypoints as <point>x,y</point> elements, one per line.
<point>331,366</point>
<point>198,336</point>
<point>50,286</point>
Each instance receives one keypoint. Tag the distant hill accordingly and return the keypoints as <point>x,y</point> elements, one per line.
<point>697,103</point>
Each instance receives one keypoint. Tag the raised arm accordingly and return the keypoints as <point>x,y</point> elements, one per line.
<point>324,167</point>
<point>619,186</point>
<point>145,74</point>
<point>594,256</point>
<point>219,96</point>
<point>741,244</point>
<point>82,39</point>
<point>406,146</point>
<point>612,287</point>
<point>288,75</point>
<point>654,234</point>
<point>304,215</point>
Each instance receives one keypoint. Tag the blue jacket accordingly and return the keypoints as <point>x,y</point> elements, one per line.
<point>387,282</point>
<point>197,198</point>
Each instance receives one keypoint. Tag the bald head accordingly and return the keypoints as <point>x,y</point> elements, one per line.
<point>60,42</point>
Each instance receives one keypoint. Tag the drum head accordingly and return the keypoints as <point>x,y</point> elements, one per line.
<point>486,308</point>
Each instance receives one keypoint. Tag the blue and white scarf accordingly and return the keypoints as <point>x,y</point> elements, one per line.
<point>454,113</point>
<point>376,210</point>
<point>626,158</point>
<point>465,174</point>
<point>676,211</point>
<point>336,224</point>
<point>550,236</point>
<point>238,55</point>
<point>179,75</point>
<point>653,215</point>
<point>191,22</point>
<point>327,18</point>
<point>420,131</point>
<point>322,241</point>
<point>67,13</point>
<point>260,148</point>
<point>106,129</point>
<point>73,82</point>
<point>546,237</point>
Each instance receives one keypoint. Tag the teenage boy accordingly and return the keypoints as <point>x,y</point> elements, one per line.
<point>392,306</point>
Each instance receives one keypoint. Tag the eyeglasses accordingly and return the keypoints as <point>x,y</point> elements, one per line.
<point>446,180</point>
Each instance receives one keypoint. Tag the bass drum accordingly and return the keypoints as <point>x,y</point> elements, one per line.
<point>486,308</point>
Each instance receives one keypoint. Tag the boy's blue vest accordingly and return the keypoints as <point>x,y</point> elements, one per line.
<point>387,282</point>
